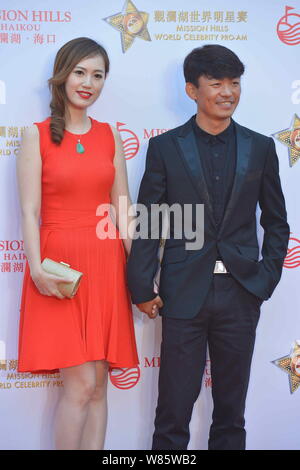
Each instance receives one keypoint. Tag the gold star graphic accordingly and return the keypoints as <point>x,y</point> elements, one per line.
<point>291,365</point>
<point>131,23</point>
<point>291,138</point>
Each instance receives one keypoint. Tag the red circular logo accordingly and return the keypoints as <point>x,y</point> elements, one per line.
<point>292,259</point>
<point>124,378</point>
<point>130,141</point>
<point>288,28</point>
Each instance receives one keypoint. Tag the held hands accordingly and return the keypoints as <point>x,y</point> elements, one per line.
<point>47,284</point>
<point>151,307</point>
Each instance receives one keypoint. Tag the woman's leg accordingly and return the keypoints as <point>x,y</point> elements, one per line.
<point>95,425</point>
<point>72,410</point>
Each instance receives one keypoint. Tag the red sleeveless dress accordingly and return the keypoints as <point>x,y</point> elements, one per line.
<point>97,322</point>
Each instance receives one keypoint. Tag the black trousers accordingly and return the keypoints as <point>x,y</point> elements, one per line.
<point>227,324</point>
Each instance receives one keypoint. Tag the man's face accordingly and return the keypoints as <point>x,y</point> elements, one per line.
<point>216,98</point>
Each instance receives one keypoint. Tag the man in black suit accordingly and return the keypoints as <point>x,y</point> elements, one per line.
<point>210,296</point>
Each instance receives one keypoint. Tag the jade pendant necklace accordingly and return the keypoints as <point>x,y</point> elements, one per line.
<point>79,146</point>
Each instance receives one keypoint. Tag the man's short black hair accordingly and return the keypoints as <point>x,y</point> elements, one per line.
<point>212,60</point>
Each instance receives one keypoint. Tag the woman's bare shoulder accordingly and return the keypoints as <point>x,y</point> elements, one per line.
<point>31,132</point>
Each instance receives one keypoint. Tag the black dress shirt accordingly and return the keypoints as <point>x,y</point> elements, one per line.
<point>218,158</point>
<point>217,155</point>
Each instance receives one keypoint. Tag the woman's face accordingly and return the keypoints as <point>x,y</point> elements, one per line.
<point>85,82</point>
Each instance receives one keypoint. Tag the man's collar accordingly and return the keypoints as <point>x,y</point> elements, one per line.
<point>222,136</point>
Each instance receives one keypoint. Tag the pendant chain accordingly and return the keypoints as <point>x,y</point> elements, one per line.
<point>79,146</point>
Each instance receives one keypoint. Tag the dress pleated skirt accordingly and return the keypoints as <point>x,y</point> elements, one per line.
<point>96,324</point>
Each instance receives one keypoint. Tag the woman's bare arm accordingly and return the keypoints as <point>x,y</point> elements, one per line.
<point>29,168</point>
<point>29,174</point>
<point>124,221</point>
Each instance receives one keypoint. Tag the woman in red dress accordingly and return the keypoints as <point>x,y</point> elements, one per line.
<point>70,168</point>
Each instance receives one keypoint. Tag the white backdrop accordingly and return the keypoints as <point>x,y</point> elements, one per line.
<point>143,96</point>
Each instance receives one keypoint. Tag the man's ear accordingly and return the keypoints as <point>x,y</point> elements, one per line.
<point>190,90</point>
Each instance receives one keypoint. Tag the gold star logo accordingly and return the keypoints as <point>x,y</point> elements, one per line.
<point>131,23</point>
<point>291,138</point>
<point>291,365</point>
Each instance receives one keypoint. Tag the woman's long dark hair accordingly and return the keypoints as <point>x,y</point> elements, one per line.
<point>66,59</point>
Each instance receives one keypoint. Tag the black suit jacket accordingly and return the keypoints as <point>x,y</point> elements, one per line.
<point>174,174</point>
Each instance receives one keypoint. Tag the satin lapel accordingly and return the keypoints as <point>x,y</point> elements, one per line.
<point>189,153</point>
<point>244,142</point>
